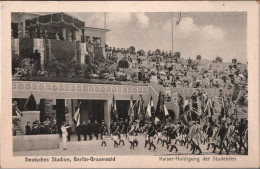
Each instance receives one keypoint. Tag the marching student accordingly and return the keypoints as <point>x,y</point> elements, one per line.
<point>121,132</point>
<point>173,135</point>
<point>103,132</point>
<point>165,135</point>
<point>222,135</point>
<point>159,128</point>
<point>146,126</point>
<point>209,134</point>
<point>151,135</point>
<point>114,132</point>
<point>132,136</point>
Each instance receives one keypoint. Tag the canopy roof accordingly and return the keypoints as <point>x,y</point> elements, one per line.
<point>55,19</point>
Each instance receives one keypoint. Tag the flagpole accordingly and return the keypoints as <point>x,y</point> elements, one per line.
<point>105,20</point>
<point>172,30</point>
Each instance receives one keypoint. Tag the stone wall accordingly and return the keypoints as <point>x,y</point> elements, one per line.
<point>36,142</point>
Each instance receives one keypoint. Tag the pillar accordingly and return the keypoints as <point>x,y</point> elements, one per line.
<point>64,33</point>
<point>23,29</point>
<point>107,110</point>
<point>83,50</point>
<point>68,104</point>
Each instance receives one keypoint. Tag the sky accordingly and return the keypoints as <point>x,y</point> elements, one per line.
<point>209,34</point>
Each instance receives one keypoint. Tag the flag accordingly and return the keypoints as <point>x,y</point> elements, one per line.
<point>156,120</point>
<point>160,109</point>
<point>208,110</point>
<point>166,113</point>
<point>76,117</point>
<point>114,109</point>
<point>140,111</point>
<point>152,107</point>
<point>178,18</point>
<point>148,110</point>
<point>131,109</point>
<point>186,105</point>
<point>223,112</point>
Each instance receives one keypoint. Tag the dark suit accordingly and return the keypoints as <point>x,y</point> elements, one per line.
<point>90,130</point>
<point>27,130</point>
<point>84,131</point>
<point>68,131</point>
<point>79,130</point>
<point>96,129</point>
<point>222,135</point>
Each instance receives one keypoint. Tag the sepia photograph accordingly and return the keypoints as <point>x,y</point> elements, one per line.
<point>133,86</point>
<point>91,84</point>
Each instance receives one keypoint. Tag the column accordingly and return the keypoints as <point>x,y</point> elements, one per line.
<point>64,33</point>
<point>107,110</point>
<point>68,104</point>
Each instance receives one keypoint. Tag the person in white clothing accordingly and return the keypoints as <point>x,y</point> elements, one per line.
<point>64,135</point>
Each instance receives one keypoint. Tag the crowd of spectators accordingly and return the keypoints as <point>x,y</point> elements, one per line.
<point>170,69</point>
<point>46,127</point>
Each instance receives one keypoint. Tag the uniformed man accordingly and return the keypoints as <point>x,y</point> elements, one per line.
<point>114,132</point>
<point>28,128</point>
<point>165,134</point>
<point>146,126</point>
<point>222,135</point>
<point>96,129</point>
<point>159,127</point>
<point>151,135</point>
<point>132,136</point>
<point>121,132</point>
<point>209,134</point>
<point>173,135</point>
<point>103,132</point>
<point>241,133</point>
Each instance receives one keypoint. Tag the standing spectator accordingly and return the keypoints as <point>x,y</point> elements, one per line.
<point>79,131</point>
<point>28,128</point>
<point>64,135</point>
<point>89,129</point>
<point>96,129</point>
<point>53,128</point>
<point>41,128</point>
<point>84,130</point>
<point>34,129</point>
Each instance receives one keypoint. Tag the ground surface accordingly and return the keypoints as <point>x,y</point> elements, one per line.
<point>93,147</point>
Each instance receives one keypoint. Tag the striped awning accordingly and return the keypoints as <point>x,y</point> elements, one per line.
<point>55,19</point>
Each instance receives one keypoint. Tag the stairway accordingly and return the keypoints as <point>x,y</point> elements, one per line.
<point>18,130</point>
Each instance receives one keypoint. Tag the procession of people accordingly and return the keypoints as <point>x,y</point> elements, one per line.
<point>198,124</point>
